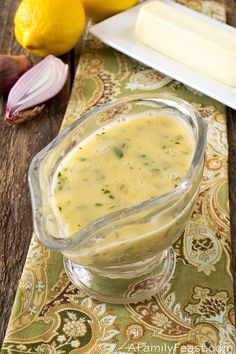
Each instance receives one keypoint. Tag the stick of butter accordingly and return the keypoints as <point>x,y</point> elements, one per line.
<point>189,40</point>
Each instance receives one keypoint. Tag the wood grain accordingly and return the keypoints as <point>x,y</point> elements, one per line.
<point>230,11</point>
<point>231,133</point>
<point>18,144</point>
<point>231,127</point>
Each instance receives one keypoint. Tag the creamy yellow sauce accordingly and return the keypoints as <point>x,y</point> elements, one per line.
<point>123,164</point>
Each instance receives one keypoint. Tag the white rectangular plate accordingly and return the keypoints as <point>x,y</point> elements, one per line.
<point>118,32</point>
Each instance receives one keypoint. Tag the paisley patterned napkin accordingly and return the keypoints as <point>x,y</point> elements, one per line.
<point>194,313</point>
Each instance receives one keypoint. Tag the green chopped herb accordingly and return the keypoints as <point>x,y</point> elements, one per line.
<point>119,153</point>
<point>177,179</point>
<point>59,174</point>
<point>83,159</point>
<point>143,155</point>
<point>105,191</point>
<point>98,205</point>
<point>123,187</point>
<point>59,208</point>
<point>111,196</point>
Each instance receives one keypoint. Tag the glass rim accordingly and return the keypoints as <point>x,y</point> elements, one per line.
<point>62,243</point>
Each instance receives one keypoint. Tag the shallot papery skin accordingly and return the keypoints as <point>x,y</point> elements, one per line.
<point>42,82</point>
<point>11,69</point>
<point>23,116</point>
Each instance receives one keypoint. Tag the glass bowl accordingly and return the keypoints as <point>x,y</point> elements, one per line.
<point>138,266</point>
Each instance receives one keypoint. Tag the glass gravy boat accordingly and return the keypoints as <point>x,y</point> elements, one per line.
<point>139,265</point>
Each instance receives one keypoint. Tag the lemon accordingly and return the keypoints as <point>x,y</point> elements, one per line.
<point>49,26</point>
<point>99,10</point>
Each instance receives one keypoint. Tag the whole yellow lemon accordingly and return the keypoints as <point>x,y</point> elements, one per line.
<point>46,27</point>
<point>99,10</point>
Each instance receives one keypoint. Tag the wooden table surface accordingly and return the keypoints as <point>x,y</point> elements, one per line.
<point>19,144</point>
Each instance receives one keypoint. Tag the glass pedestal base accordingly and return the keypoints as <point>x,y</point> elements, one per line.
<point>125,284</point>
